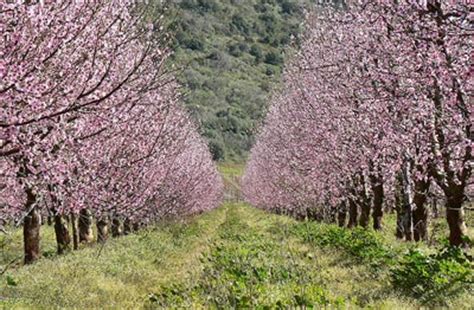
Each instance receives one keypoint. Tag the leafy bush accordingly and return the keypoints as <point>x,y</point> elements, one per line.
<point>217,150</point>
<point>200,5</point>
<point>365,245</point>
<point>235,50</point>
<point>240,24</point>
<point>11,281</point>
<point>273,58</point>
<point>432,278</point>
<point>256,51</point>
<point>288,7</point>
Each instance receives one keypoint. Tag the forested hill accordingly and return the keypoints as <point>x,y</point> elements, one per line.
<point>232,54</point>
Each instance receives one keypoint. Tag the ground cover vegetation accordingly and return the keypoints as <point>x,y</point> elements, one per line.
<point>237,256</point>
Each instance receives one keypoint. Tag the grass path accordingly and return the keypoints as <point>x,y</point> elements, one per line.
<point>233,257</point>
<point>126,272</point>
<point>257,262</point>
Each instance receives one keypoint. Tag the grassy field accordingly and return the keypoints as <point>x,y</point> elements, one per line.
<point>233,257</point>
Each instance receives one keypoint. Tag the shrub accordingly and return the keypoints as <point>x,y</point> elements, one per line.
<point>273,58</point>
<point>217,150</point>
<point>240,24</point>
<point>256,51</point>
<point>235,50</point>
<point>432,278</point>
<point>359,243</point>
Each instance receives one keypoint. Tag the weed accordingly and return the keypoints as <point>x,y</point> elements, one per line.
<point>363,245</point>
<point>433,278</point>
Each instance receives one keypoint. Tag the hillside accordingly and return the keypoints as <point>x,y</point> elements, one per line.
<point>232,54</point>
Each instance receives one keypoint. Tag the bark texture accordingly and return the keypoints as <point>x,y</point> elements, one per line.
<point>353,213</point>
<point>408,205</point>
<point>31,229</point>
<point>102,229</point>
<point>63,238</point>
<point>399,209</point>
<point>86,234</point>
<point>420,214</point>
<point>342,214</point>
<point>117,228</point>
<point>75,231</point>
<point>455,218</point>
<point>378,192</point>
<point>127,226</point>
<point>364,202</point>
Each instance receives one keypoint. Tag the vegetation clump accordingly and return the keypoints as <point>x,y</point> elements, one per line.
<point>364,245</point>
<point>434,277</point>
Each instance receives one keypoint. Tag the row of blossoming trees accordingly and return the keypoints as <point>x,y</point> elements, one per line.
<point>91,124</point>
<point>375,112</point>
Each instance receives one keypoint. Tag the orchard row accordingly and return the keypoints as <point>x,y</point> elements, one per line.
<point>375,114</point>
<point>91,121</point>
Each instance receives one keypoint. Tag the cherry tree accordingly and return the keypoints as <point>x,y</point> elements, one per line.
<point>89,115</point>
<point>377,95</point>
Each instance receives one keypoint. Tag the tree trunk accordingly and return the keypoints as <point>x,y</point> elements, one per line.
<point>102,229</point>
<point>329,213</point>
<point>127,226</point>
<point>408,225</point>
<point>435,207</point>
<point>399,206</point>
<point>364,214</point>
<point>364,210</point>
<point>75,231</point>
<point>312,214</point>
<point>63,238</point>
<point>117,229</point>
<point>364,202</point>
<point>399,210</point>
<point>353,214</point>
<point>86,233</point>
<point>377,212</point>
<point>455,218</point>
<point>399,229</point>
<point>342,214</point>
<point>408,205</point>
<point>420,221</point>
<point>454,182</point>
<point>31,229</point>
<point>420,214</point>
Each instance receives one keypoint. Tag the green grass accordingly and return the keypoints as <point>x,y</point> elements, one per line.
<point>122,274</point>
<point>231,175</point>
<point>235,256</point>
<point>246,268</point>
<point>231,170</point>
